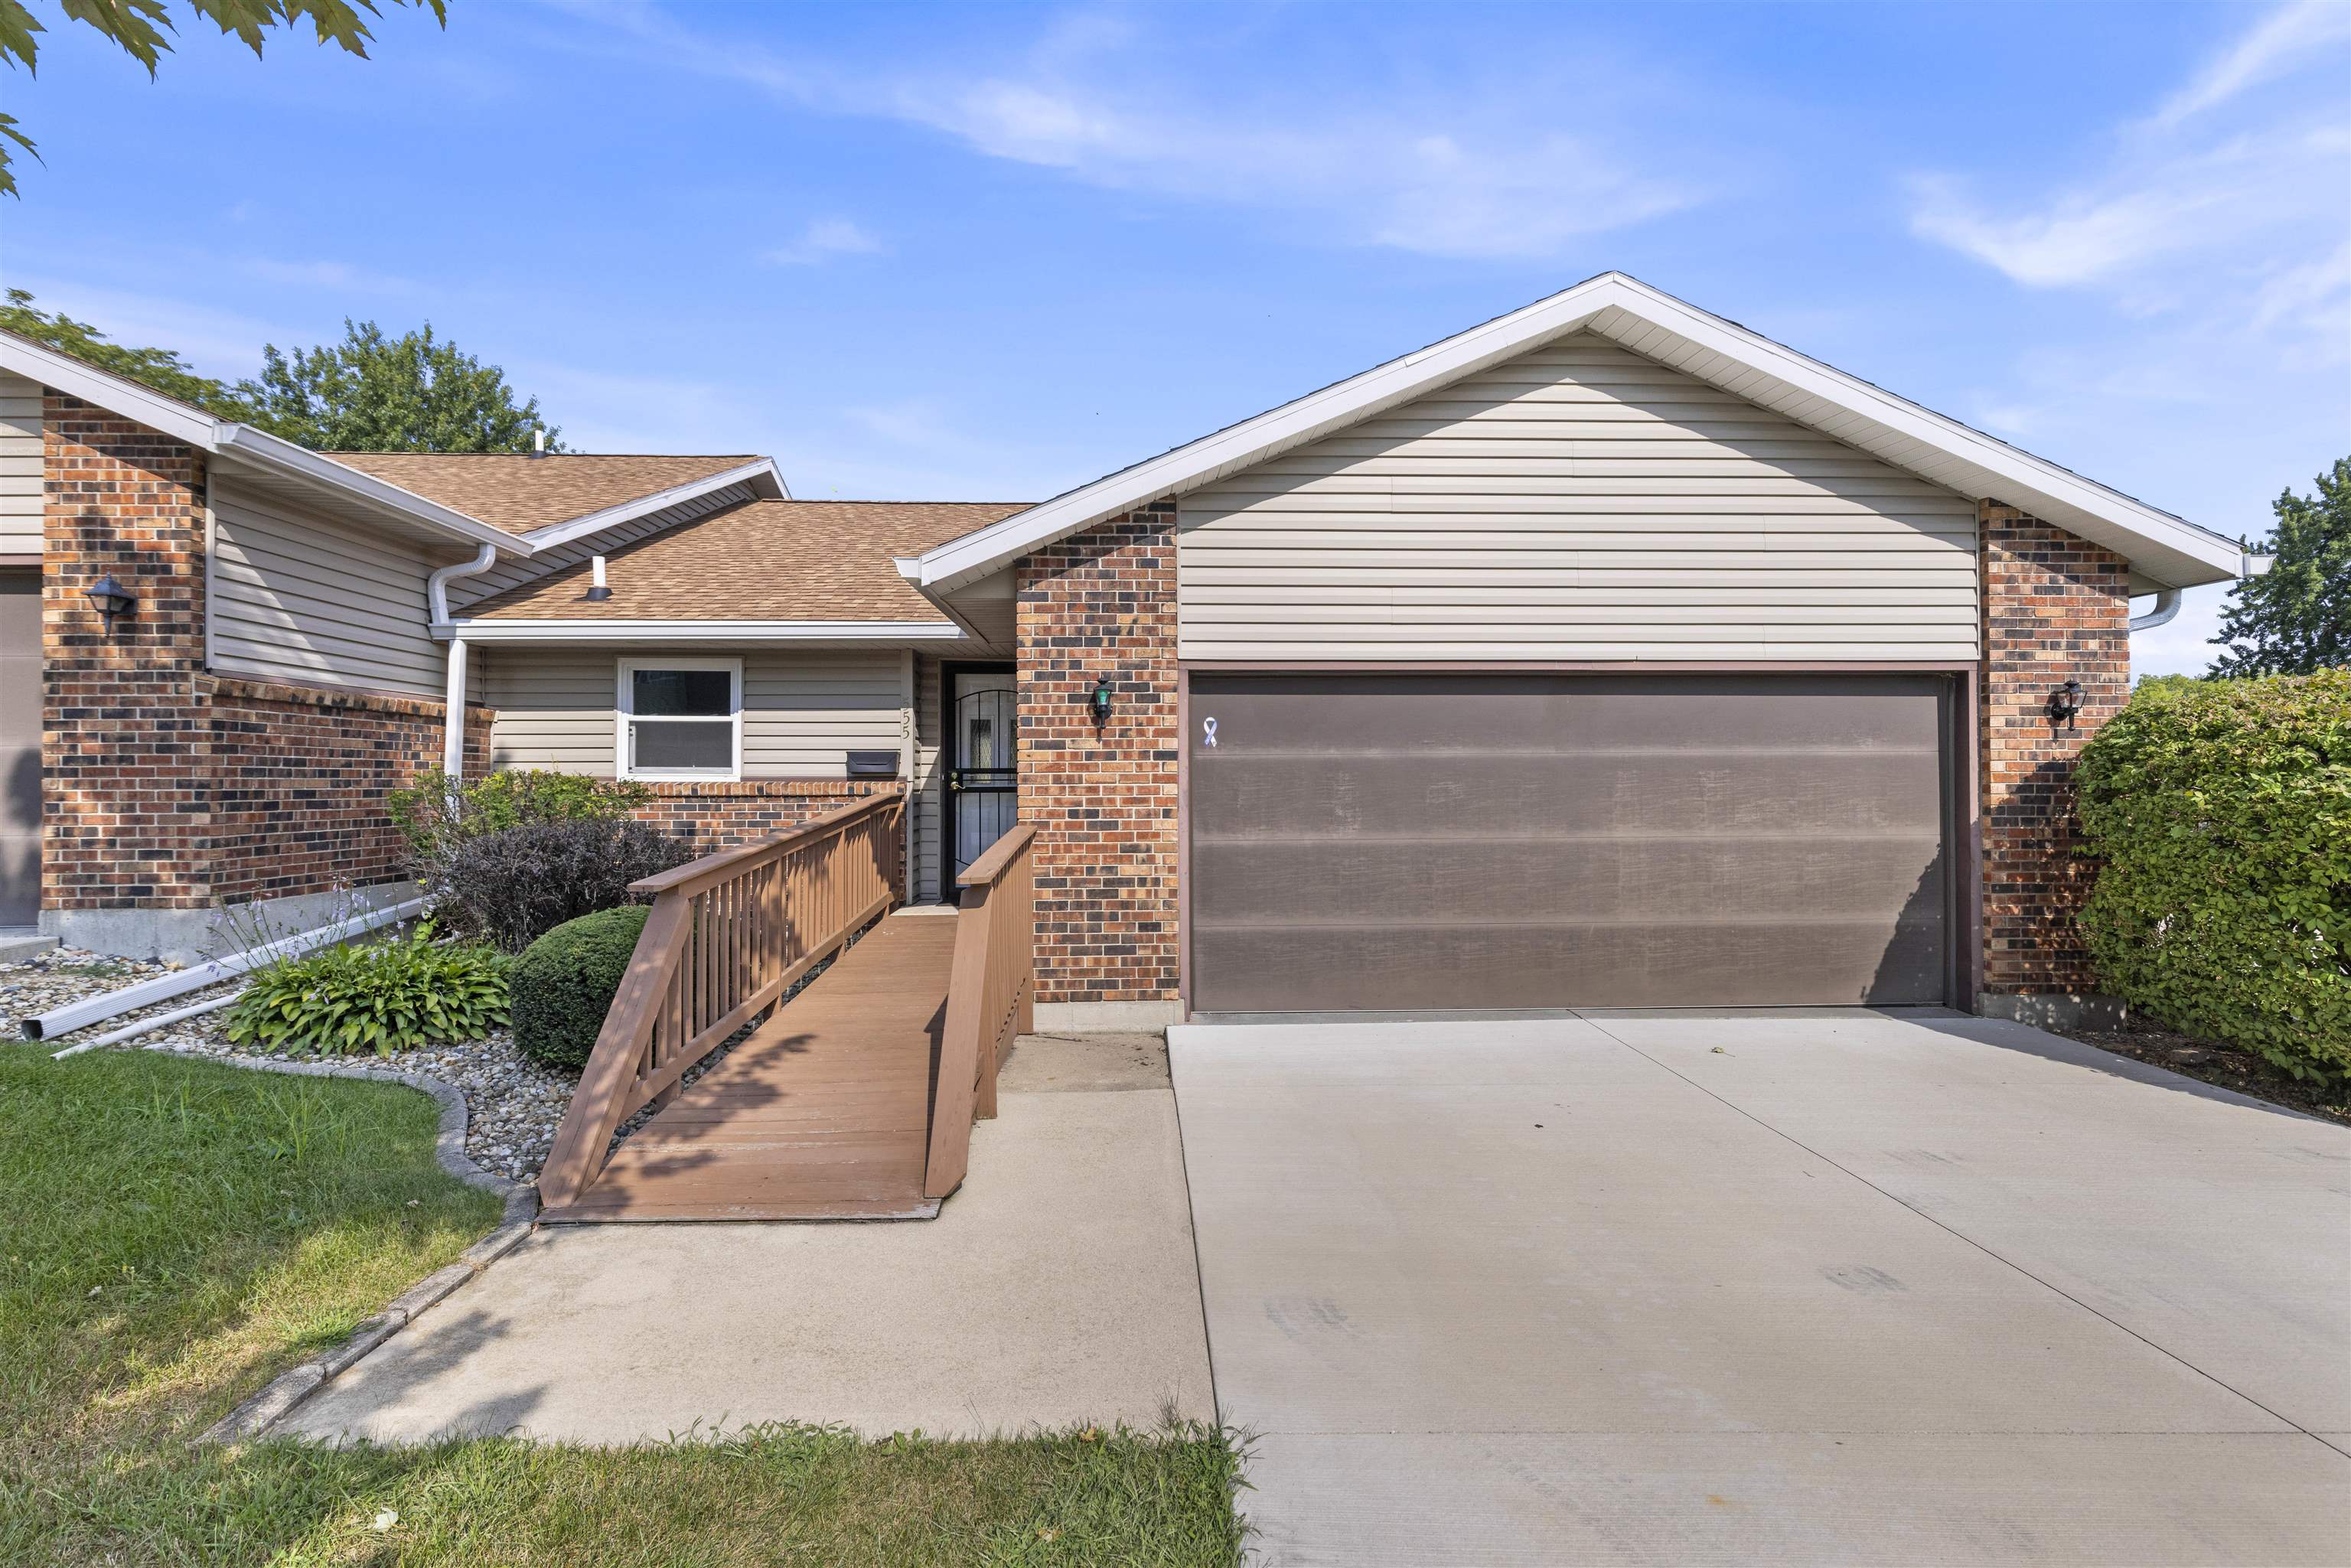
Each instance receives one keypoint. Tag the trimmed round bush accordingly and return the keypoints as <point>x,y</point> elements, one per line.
<point>2221,809</point>
<point>564,983</point>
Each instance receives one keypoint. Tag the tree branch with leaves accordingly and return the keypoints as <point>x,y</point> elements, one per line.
<point>2295,618</point>
<point>140,27</point>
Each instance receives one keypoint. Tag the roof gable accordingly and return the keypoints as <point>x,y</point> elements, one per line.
<point>2166,548</point>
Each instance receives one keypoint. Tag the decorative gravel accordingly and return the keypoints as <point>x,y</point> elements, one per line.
<point>513,1107</point>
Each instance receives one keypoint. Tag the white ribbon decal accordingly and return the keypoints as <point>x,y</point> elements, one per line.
<point>1208,732</point>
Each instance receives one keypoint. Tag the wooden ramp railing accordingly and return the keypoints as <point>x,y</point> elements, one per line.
<point>727,936</point>
<point>991,997</point>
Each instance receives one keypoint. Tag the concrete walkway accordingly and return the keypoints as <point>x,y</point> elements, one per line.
<point>1057,1287</point>
<point>1848,1288</point>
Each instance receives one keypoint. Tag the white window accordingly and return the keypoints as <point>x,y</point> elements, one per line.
<point>680,718</point>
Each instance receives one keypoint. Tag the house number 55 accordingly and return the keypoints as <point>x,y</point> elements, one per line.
<point>1208,733</point>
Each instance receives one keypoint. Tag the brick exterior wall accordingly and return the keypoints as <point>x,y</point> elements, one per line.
<point>2056,607</point>
<point>165,787</point>
<point>1101,602</point>
<point>298,780</point>
<point>125,808</point>
<point>716,815</point>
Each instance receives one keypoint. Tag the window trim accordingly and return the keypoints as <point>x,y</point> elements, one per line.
<point>624,715</point>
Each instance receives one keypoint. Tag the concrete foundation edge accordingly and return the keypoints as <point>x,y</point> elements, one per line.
<point>289,1388</point>
<point>1121,1018</point>
<point>193,935</point>
<point>2057,1010</point>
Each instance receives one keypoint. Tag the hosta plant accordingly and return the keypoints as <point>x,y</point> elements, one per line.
<point>380,997</point>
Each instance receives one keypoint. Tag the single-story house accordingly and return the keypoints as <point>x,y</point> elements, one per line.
<point>1606,654</point>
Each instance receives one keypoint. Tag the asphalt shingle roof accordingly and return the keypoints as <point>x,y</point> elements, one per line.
<point>519,492</point>
<point>761,560</point>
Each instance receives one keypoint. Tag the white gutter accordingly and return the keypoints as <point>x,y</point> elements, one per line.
<point>453,717</point>
<point>196,977</point>
<point>563,533</point>
<point>517,631</point>
<point>2167,605</point>
<point>149,1026</point>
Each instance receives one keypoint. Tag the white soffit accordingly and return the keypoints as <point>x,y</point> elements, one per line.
<point>2162,547</point>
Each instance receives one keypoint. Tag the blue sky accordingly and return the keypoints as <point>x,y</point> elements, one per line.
<point>990,252</point>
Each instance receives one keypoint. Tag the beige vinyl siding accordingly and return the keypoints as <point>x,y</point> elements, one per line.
<point>20,467</point>
<point>1578,503</point>
<point>316,601</point>
<point>802,713</point>
<point>512,573</point>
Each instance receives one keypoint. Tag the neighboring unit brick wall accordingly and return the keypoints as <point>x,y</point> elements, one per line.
<point>1104,801</point>
<point>300,775</point>
<point>717,816</point>
<point>123,745</point>
<point>165,787</point>
<point>2056,607</point>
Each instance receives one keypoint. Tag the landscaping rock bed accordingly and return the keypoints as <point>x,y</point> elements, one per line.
<point>514,1107</point>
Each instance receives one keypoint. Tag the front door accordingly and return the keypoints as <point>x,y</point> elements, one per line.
<point>982,722</point>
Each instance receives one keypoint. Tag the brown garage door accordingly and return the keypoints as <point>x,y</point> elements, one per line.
<point>1419,843</point>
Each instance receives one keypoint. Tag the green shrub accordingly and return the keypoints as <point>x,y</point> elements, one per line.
<point>384,996</point>
<point>564,984</point>
<point>436,820</point>
<point>2222,811</point>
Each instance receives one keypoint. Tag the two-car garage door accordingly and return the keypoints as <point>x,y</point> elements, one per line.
<point>1442,841</point>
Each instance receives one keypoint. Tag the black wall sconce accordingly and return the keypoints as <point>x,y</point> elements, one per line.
<point>110,599</point>
<point>1098,704</point>
<point>2065,703</point>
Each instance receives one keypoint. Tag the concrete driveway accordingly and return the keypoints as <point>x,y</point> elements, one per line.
<point>1842,1287</point>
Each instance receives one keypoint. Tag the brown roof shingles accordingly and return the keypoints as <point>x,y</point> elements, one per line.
<point>519,492</point>
<point>761,560</point>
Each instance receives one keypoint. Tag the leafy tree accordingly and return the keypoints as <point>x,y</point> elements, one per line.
<point>138,25</point>
<point>162,369</point>
<point>2295,619</point>
<point>374,394</point>
<point>366,393</point>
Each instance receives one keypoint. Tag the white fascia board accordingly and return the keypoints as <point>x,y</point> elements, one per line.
<point>266,451</point>
<point>2029,482</point>
<point>580,527</point>
<point>226,438</point>
<point>2019,478</point>
<point>1253,441</point>
<point>513,631</point>
<point>38,361</point>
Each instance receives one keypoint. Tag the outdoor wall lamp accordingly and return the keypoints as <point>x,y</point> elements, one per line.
<point>2065,702</point>
<point>110,599</point>
<point>1099,703</point>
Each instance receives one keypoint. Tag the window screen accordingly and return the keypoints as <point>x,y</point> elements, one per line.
<point>680,721</point>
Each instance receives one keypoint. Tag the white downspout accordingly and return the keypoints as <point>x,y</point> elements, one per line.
<point>2167,605</point>
<point>453,719</point>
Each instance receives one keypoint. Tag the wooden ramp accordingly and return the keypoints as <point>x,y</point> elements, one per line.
<point>824,1113</point>
<point>853,1100</point>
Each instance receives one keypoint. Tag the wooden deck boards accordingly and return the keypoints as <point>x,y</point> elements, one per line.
<point>824,1113</point>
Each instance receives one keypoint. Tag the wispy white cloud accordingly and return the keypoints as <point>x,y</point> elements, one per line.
<point>2278,46</point>
<point>823,239</point>
<point>1478,175</point>
<point>341,277</point>
<point>2226,199</point>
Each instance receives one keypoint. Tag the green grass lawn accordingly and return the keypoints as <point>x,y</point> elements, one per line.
<point>173,1232</point>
